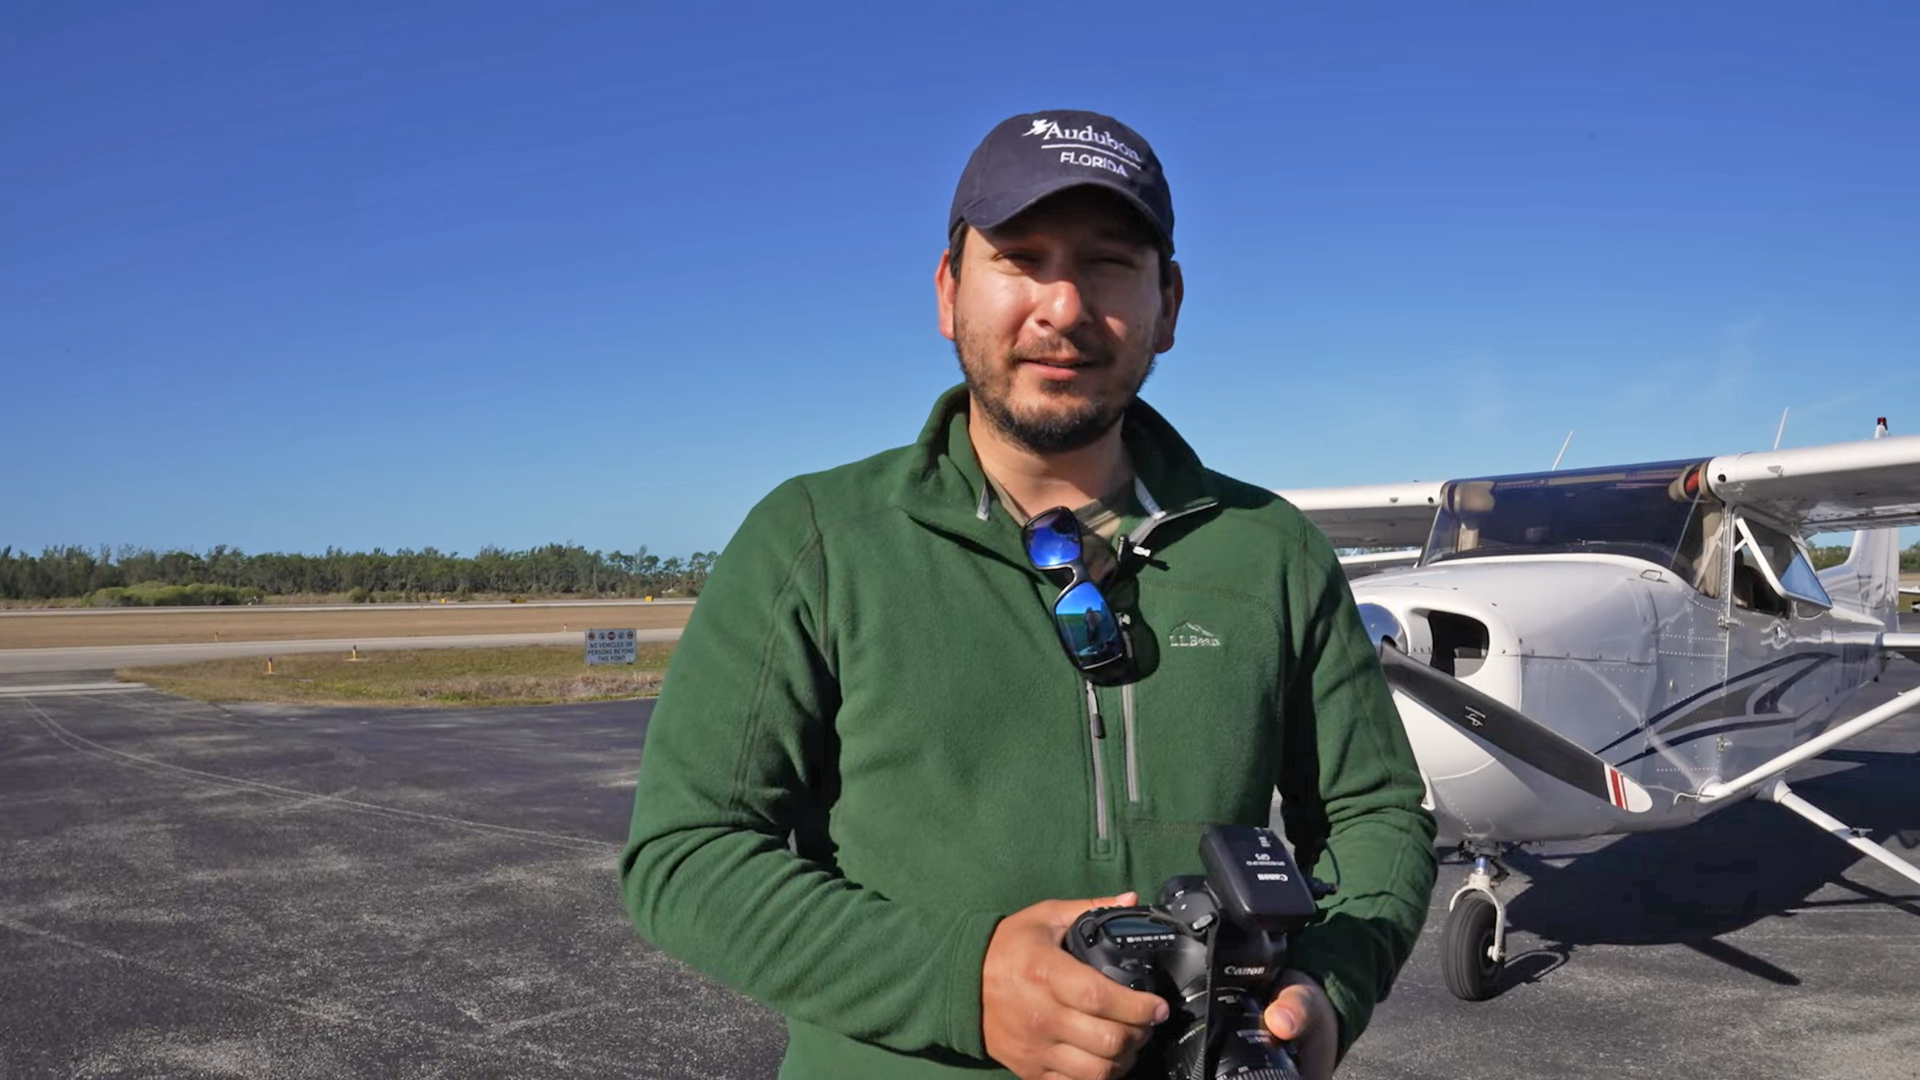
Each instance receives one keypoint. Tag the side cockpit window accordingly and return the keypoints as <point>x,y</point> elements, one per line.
<point>1770,569</point>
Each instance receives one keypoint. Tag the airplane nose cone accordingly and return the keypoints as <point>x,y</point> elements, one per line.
<point>1382,626</point>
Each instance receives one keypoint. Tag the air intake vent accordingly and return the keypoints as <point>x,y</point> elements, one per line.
<point>1459,642</point>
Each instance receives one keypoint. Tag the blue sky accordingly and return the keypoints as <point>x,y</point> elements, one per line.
<point>286,277</point>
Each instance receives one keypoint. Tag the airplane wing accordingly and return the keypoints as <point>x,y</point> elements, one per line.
<point>1870,484</point>
<point>1371,515</point>
<point>1907,645</point>
<point>1373,562</point>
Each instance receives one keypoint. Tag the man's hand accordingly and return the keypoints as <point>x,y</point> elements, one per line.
<point>1300,1013</point>
<point>1046,1015</point>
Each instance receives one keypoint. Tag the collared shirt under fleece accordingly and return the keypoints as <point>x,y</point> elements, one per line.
<point>870,747</point>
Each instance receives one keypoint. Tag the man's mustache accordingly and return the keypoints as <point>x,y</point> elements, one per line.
<point>1076,349</point>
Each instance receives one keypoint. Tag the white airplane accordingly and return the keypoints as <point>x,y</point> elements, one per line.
<point>1596,651</point>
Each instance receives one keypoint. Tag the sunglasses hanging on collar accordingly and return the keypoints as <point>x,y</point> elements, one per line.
<point>1089,631</point>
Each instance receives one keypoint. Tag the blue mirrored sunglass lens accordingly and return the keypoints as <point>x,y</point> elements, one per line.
<point>1053,539</point>
<point>1087,625</point>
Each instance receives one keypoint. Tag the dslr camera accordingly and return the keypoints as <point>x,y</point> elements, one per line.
<point>1214,948</point>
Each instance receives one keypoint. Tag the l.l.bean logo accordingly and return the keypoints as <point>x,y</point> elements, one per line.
<point>1192,636</point>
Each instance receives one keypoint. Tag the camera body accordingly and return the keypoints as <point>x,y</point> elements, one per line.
<point>1213,947</point>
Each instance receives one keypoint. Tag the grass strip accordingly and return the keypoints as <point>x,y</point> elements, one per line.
<point>522,675</point>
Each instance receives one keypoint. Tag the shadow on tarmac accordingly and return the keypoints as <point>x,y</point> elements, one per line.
<point>1700,883</point>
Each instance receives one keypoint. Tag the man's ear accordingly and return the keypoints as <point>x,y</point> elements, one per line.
<point>1172,292</point>
<point>944,286</point>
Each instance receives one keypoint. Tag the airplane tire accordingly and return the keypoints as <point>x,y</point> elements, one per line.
<point>1469,972</point>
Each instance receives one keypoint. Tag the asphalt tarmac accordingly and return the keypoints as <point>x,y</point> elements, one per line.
<point>193,890</point>
<point>199,891</point>
<point>1750,944</point>
<point>108,657</point>
<point>465,605</point>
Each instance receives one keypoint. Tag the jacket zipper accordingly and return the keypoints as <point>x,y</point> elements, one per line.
<point>1134,543</point>
<point>1096,732</point>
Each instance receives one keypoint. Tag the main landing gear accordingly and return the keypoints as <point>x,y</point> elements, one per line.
<point>1473,944</point>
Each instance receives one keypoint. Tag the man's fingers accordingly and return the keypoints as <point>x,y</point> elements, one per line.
<point>1287,1013</point>
<point>1044,1013</point>
<point>1107,1039</point>
<point>1300,1014</point>
<point>1084,990</point>
<point>1072,1063</point>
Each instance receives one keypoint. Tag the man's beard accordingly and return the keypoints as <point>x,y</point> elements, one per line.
<point>990,381</point>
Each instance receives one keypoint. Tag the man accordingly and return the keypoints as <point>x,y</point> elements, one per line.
<point>876,790</point>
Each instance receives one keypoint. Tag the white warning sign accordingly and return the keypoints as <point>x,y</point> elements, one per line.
<point>610,646</point>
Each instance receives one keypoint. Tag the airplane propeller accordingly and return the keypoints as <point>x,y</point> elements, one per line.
<point>1493,721</point>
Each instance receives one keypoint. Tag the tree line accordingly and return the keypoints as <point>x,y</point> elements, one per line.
<point>1824,557</point>
<point>222,574</point>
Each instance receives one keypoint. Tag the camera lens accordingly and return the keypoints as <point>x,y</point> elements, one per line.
<point>1245,1050</point>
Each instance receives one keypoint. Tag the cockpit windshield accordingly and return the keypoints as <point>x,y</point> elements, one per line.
<point>1640,511</point>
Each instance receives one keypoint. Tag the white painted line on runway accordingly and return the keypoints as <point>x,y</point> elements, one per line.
<point>234,609</point>
<point>59,689</point>
<point>97,657</point>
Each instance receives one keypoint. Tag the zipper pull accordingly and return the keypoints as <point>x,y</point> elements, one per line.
<point>1093,713</point>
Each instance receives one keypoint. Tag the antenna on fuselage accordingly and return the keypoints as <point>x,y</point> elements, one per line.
<point>1562,453</point>
<point>1782,429</point>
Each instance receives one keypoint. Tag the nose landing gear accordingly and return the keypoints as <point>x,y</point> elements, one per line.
<point>1473,944</point>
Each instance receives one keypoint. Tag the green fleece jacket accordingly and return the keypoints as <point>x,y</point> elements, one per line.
<point>870,747</point>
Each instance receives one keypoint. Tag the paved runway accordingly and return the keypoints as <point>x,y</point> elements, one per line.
<point>202,891</point>
<point>465,605</point>
<point>108,657</point>
<point>1749,945</point>
<point>193,890</point>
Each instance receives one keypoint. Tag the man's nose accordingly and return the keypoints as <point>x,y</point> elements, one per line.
<point>1061,306</point>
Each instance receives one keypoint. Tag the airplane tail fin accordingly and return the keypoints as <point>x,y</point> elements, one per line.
<point>1869,581</point>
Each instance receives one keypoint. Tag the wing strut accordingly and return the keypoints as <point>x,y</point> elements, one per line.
<point>1779,792</point>
<point>1774,787</point>
<point>1813,748</point>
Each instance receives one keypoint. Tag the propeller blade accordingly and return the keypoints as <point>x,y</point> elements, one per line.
<point>1494,722</point>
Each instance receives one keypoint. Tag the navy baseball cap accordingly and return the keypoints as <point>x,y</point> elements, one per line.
<point>1028,157</point>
